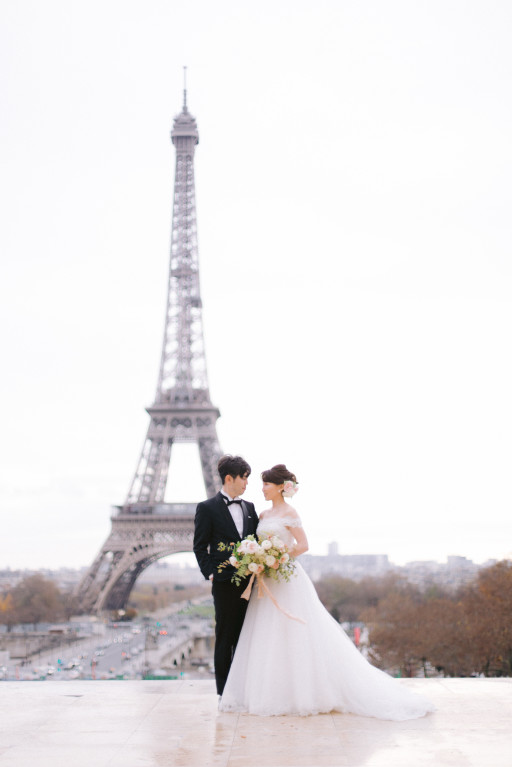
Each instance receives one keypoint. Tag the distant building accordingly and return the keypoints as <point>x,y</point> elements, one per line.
<point>457,571</point>
<point>332,549</point>
<point>353,566</point>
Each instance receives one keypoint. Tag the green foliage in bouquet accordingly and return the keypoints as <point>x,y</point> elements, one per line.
<point>262,556</point>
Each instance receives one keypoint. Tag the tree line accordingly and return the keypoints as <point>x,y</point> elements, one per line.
<point>36,599</point>
<point>464,633</point>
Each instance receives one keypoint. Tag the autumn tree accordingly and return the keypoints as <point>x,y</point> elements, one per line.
<point>347,599</point>
<point>397,639</point>
<point>446,643</point>
<point>461,634</point>
<point>339,595</point>
<point>6,614</point>
<point>488,620</point>
<point>33,600</point>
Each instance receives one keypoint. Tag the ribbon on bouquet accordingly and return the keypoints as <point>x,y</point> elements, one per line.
<point>262,586</point>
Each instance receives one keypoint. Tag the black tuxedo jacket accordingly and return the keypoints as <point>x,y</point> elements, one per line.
<point>213,525</point>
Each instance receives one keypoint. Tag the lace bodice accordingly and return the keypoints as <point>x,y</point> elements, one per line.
<point>281,526</point>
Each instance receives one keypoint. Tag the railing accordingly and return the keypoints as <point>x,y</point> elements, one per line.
<point>160,509</point>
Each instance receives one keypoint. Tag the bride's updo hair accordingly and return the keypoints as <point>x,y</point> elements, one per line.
<point>278,475</point>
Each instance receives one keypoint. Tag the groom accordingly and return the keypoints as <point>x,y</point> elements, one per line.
<point>225,518</point>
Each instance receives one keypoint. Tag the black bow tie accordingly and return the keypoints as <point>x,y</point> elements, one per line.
<point>235,501</point>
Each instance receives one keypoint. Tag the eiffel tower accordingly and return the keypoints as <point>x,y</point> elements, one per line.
<point>146,528</point>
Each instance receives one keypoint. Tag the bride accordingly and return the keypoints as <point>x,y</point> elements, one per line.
<point>305,666</point>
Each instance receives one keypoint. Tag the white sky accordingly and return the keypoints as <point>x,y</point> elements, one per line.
<point>353,186</point>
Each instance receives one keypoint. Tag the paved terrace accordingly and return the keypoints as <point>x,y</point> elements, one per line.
<point>176,723</point>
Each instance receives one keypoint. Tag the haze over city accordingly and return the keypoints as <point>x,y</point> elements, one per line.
<point>353,194</point>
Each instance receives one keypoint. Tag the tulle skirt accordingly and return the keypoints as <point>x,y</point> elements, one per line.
<point>282,666</point>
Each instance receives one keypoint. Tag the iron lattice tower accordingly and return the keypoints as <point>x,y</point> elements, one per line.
<point>146,528</point>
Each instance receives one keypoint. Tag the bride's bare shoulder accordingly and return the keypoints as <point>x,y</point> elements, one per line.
<point>263,513</point>
<point>291,512</point>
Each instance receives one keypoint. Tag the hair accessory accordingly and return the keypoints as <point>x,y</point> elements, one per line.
<point>290,488</point>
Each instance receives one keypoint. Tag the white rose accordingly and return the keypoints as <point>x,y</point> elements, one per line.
<point>269,560</point>
<point>252,547</point>
<point>253,567</point>
<point>266,545</point>
<point>285,558</point>
<point>289,489</point>
<point>233,561</point>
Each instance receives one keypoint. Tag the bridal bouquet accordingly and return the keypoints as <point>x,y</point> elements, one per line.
<point>256,557</point>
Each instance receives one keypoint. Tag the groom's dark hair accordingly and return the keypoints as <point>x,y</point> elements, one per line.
<point>234,465</point>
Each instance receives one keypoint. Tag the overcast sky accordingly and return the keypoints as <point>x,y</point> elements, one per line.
<point>353,183</point>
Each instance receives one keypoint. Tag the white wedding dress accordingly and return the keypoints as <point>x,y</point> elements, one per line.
<point>282,666</point>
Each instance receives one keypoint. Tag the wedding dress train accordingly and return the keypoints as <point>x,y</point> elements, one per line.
<point>283,666</point>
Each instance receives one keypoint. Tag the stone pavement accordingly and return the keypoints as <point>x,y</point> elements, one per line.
<point>177,724</point>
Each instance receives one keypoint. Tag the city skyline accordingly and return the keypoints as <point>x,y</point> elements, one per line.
<point>456,572</point>
<point>353,195</point>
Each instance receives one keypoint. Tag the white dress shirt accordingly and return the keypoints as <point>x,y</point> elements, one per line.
<point>236,512</point>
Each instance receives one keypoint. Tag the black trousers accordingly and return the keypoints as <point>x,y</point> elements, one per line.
<point>230,611</point>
